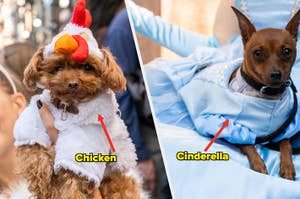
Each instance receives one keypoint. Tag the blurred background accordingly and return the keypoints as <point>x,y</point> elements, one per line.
<point>35,21</point>
<point>27,24</point>
<point>196,16</point>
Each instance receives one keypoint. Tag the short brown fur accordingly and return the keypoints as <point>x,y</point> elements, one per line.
<point>270,43</point>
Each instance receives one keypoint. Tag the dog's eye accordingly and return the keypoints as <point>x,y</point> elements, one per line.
<point>87,67</point>
<point>58,68</point>
<point>257,54</point>
<point>287,53</point>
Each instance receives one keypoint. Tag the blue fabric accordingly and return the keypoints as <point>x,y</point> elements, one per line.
<point>221,179</point>
<point>278,13</point>
<point>168,104</point>
<point>167,78</point>
<point>215,99</point>
<point>120,42</point>
<point>214,102</point>
<point>176,74</point>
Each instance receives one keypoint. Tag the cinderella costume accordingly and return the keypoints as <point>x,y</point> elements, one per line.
<point>191,100</point>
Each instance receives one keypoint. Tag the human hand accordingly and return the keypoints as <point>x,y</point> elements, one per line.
<point>48,120</point>
<point>148,171</point>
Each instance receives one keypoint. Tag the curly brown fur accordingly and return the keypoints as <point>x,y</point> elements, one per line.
<point>30,74</point>
<point>71,82</point>
<point>119,186</point>
<point>74,82</point>
<point>72,186</point>
<point>35,164</point>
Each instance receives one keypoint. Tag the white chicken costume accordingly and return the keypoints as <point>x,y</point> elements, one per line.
<point>82,132</point>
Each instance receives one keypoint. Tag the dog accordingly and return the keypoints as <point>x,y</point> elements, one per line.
<point>269,55</point>
<point>78,81</point>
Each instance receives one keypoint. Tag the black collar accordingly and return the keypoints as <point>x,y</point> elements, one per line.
<point>71,108</point>
<point>290,119</point>
<point>264,89</point>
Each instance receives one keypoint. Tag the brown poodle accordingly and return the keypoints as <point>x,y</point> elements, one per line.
<point>71,83</point>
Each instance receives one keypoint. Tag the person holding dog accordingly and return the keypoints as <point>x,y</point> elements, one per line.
<point>13,99</point>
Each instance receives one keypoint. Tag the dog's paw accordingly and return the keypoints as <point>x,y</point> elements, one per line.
<point>259,166</point>
<point>287,171</point>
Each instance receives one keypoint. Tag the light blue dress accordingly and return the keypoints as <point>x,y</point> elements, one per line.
<point>177,91</point>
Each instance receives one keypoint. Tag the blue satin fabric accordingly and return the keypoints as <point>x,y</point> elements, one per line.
<point>214,99</point>
<point>189,96</point>
<point>183,127</point>
<point>221,179</point>
<point>269,13</point>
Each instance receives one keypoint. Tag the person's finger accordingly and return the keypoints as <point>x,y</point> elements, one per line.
<point>39,104</point>
<point>45,114</point>
<point>48,120</point>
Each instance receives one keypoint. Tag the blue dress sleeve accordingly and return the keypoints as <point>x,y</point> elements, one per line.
<point>233,133</point>
<point>176,39</point>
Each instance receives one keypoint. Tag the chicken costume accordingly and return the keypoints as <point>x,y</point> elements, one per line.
<point>82,132</point>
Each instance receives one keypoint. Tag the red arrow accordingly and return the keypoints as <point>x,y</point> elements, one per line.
<point>225,124</point>
<point>101,120</point>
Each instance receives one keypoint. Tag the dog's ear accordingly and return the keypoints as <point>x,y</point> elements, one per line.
<point>112,73</point>
<point>31,76</point>
<point>293,24</point>
<point>246,27</point>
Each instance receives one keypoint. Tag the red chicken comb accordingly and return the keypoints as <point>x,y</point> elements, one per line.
<point>81,16</point>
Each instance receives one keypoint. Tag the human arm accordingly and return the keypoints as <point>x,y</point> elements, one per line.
<point>224,31</point>
<point>180,41</point>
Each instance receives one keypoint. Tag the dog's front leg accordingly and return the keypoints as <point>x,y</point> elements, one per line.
<point>287,169</point>
<point>119,185</point>
<point>123,181</point>
<point>256,163</point>
<point>35,164</point>
<point>72,186</point>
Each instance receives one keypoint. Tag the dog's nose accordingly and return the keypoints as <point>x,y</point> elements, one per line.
<point>275,75</point>
<point>73,85</point>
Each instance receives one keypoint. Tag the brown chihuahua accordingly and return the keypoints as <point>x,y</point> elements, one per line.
<point>269,55</point>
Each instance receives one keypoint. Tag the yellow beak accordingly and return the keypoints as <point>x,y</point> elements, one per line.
<point>66,44</point>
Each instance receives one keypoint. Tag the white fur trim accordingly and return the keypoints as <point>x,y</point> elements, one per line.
<point>73,29</point>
